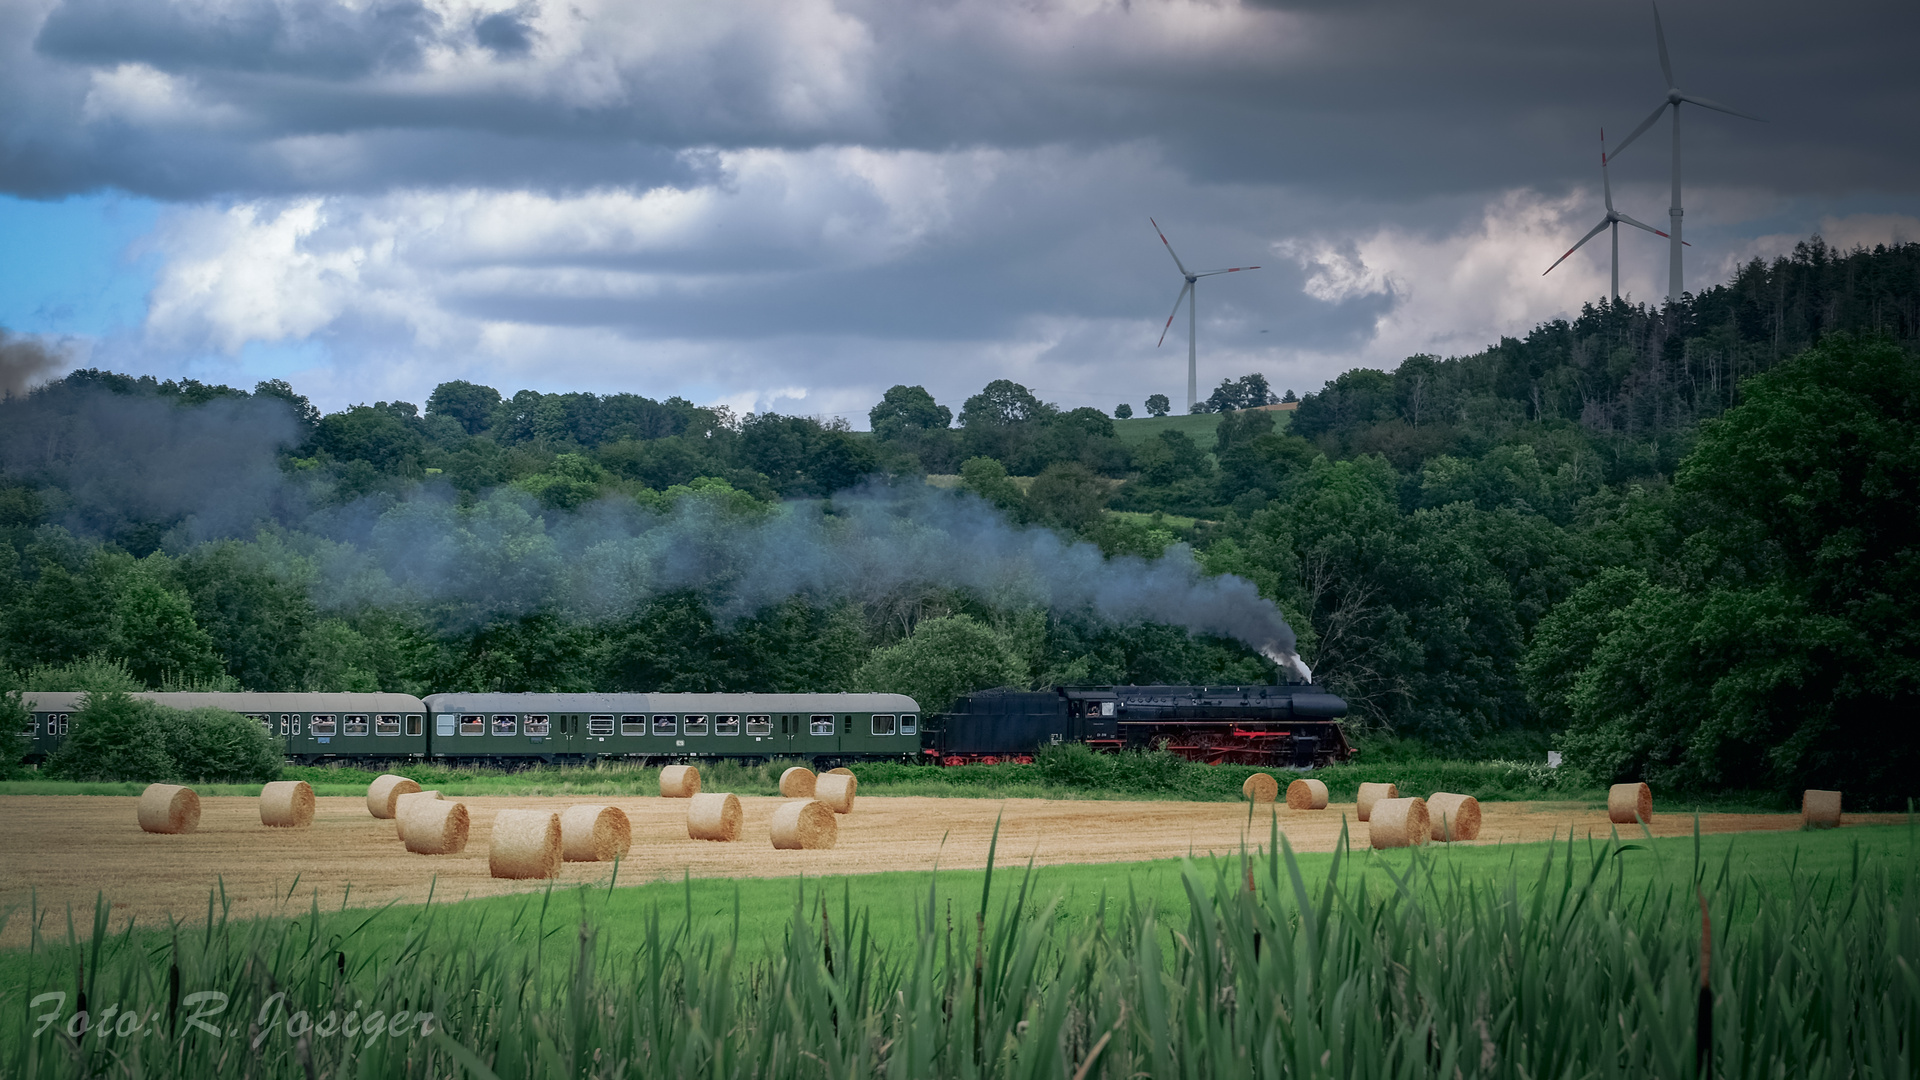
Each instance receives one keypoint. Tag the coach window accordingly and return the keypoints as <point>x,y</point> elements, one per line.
<point>759,725</point>
<point>33,725</point>
<point>665,724</point>
<point>296,723</point>
<point>883,723</point>
<point>353,724</point>
<point>386,724</point>
<point>473,724</point>
<point>633,725</point>
<point>821,724</point>
<point>726,725</point>
<point>693,725</point>
<point>286,723</point>
<point>908,723</point>
<point>599,725</point>
<point>506,724</point>
<point>323,724</point>
<point>413,723</point>
<point>537,726</point>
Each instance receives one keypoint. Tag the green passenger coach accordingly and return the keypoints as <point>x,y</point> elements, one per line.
<point>824,728</point>
<point>309,728</point>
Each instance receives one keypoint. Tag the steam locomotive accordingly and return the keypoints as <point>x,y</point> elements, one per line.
<point>1292,726</point>
<point>1287,726</point>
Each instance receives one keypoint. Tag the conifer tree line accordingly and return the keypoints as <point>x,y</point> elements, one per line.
<point>1677,543</point>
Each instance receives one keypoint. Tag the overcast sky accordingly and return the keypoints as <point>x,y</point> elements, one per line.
<point>794,204</point>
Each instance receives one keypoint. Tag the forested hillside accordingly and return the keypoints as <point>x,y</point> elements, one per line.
<point>1675,542</point>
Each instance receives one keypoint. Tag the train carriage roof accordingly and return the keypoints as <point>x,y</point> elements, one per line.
<point>670,703</point>
<point>242,702</point>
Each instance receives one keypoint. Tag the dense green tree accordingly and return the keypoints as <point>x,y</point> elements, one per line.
<point>1158,405</point>
<point>214,746</point>
<point>62,615</point>
<point>339,659</point>
<point>469,404</point>
<point>570,482</point>
<point>1123,411</point>
<point>254,618</point>
<point>988,479</point>
<point>304,413</point>
<point>1066,496</point>
<point>907,409</point>
<point>153,629</point>
<point>1004,421</point>
<point>802,456</point>
<point>1083,437</point>
<point>97,674</point>
<point>1170,457</point>
<point>1786,653</point>
<point>113,737</point>
<point>14,718</point>
<point>945,658</point>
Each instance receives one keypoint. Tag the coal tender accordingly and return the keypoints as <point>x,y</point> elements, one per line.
<point>1291,726</point>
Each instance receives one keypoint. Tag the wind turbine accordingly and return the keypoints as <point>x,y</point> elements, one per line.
<point>1189,295</point>
<point>1613,220</point>
<point>1675,284</point>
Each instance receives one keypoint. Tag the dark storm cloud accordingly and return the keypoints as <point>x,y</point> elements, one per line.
<point>1381,101</point>
<point>302,38</point>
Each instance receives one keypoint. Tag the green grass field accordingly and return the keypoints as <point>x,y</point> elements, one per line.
<point>1199,427</point>
<point>1482,962</point>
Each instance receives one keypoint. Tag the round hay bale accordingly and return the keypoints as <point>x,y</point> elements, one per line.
<point>1820,809</point>
<point>1454,817</point>
<point>434,826</point>
<point>384,791</point>
<point>168,808</point>
<point>836,790</point>
<point>797,783</point>
<point>287,804</point>
<point>841,771</point>
<point>400,804</point>
<point>525,844</point>
<point>1399,823</point>
<point>594,833</point>
<point>714,815</point>
<point>679,782</point>
<point>1260,787</point>
<point>1629,803</point>
<point>1373,793</point>
<point>1306,795</point>
<point>804,825</point>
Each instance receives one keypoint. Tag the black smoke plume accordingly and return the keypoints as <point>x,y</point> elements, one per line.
<point>25,361</point>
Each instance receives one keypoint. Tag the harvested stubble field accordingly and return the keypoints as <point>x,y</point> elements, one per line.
<point>65,850</point>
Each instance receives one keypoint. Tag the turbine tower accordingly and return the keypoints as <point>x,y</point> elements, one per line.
<point>1189,295</point>
<point>1612,220</point>
<point>1675,281</point>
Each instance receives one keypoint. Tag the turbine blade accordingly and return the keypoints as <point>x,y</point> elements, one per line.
<point>1228,270</point>
<point>1604,222</point>
<point>1637,132</point>
<point>1606,185</point>
<point>1717,107</point>
<point>1660,35</point>
<point>1177,301</point>
<point>1644,225</point>
<point>1170,251</point>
